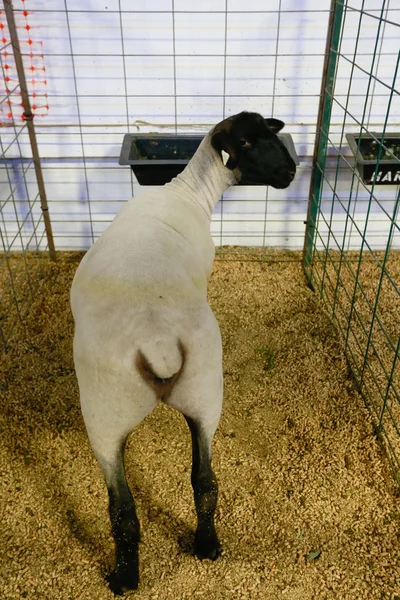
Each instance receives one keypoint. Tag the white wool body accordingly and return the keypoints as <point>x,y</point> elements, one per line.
<point>142,287</point>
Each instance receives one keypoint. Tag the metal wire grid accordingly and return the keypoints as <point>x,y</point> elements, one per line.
<point>262,224</point>
<point>359,288</point>
<point>22,229</point>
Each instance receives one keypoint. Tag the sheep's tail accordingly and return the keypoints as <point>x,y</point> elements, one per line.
<point>160,364</point>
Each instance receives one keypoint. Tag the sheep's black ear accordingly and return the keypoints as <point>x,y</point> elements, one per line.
<point>275,124</point>
<point>221,141</point>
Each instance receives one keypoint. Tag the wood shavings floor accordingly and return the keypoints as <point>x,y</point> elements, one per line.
<point>307,508</point>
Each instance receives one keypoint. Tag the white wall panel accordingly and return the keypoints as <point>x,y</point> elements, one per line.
<point>115,66</point>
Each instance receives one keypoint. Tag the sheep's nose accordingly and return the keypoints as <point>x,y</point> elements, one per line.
<point>291,174</point>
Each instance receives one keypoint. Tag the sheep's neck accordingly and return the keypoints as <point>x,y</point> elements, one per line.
<point>204,179</point>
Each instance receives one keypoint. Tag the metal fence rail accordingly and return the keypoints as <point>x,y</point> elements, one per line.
<point>360,288</point>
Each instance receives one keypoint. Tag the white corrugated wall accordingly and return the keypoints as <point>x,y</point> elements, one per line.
<point>117,66</point>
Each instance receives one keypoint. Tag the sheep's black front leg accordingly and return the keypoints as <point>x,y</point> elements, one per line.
<point>126,531</point>
<point>205,490</point>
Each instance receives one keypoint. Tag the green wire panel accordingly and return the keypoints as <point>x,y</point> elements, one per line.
<point>352,244</point>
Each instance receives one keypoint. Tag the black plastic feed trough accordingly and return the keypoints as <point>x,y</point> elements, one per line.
<point>365,149</point>
<point>157,158</point>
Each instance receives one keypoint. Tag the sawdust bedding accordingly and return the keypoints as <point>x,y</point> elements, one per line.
<point>307,506</point>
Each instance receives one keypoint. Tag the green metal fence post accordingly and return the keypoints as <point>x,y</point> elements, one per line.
<point>344,257</point>
<point>12,28</point>
<point>324,116</point>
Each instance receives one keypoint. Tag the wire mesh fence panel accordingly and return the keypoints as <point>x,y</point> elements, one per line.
<point>22,227</point>
<point>352,245</point>
<point>22,233</point>
<point>177,67</point>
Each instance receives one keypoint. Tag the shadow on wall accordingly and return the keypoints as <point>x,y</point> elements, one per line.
<point>26,205</point>
<point>86,229</point>
<point>302,178</point>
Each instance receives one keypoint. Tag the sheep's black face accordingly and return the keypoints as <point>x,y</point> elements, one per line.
<point>255,149</point>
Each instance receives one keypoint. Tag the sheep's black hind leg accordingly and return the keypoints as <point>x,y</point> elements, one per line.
<point>125,529</point>
<point>205,490</point>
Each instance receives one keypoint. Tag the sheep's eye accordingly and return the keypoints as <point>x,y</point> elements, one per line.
<point>245,143</point>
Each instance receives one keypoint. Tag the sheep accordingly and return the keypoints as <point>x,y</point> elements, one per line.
<point>144,332</point>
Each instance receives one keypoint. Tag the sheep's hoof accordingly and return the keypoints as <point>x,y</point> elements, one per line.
<point>207,547</point>
<point>122,581</point>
